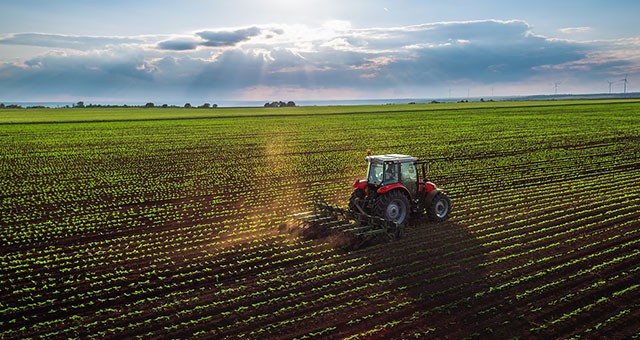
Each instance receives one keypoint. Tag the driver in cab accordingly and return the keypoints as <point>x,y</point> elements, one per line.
<point>390,175</point>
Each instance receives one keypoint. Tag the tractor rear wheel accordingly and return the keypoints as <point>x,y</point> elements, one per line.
<point>393,206</point>
<point>439,207</point>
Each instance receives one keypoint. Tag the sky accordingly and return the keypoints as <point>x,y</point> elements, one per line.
<point>247,50</point>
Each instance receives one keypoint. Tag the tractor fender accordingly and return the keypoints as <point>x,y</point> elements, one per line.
<point>430,195</point>
<point>430,186</point>
<point>426,186</point>
<point>360,184</point>
<point>387,188</point>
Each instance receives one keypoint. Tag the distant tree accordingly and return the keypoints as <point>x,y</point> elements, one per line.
<point>280,104</point>
<point>165,106</point>
<point>205,106</point>
<point>1,105</point>
<point>149,105</point>
<point>80,104</point>
<point>187,105</point>
<point>214,106</point>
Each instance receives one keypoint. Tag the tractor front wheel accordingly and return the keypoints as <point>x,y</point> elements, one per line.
<point>393,206</point>
<point>439,207</point>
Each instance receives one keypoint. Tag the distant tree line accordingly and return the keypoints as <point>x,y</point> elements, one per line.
<point>186,106</point>
<point>15,106</point>
<point>10,106</point>
<point>280,104</point>
<point>81,105</point>
<point>149,105</point>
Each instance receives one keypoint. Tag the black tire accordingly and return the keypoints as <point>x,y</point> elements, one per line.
<point>393,206</point>
<point>439,207</point>
<point>356,195</point>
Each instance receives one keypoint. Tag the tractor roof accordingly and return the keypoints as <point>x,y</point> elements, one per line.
<point>395,158</point>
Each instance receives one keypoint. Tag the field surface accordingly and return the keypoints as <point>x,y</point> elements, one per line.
<point>125,223</point>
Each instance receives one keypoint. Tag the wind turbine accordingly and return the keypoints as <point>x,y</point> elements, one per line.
<point>555,86</point>
<point>625,82</point>
<point>610,83</point>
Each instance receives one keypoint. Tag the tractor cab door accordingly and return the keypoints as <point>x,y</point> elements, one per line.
<point>390,173</point>
<point>409,177</point>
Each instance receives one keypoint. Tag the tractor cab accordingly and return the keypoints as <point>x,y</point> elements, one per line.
<point>392,169</point>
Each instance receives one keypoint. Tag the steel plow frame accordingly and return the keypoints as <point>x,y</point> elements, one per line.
<point>357,227</point>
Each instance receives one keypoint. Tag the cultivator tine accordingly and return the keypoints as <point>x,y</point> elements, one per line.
<point>357,230</point>
<point>343,226</point>
<point>301,214</point>
<point>320,219</point>
<point>334,224</point>
<point>358,226</point>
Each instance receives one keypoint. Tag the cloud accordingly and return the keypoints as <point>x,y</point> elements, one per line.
<point>76,75</point>
<point>303,60</point>
<point>227,38</point>
<point>219,38</point>
<point>575,30</point>
<point>66,41</point>
<point>179,44</point>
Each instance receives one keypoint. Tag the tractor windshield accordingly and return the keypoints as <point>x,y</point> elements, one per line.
<point>374,175</point>
<point>380,173</point>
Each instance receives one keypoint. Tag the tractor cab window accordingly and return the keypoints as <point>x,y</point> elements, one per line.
<point>390,173</point>
<point>374,175</point>
<point>410,177</point>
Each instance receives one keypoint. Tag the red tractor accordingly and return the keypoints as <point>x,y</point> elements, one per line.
<point>394,190</point>
<point>381,204</point>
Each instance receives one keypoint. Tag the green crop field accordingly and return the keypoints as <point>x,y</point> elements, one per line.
<point>174,223</point>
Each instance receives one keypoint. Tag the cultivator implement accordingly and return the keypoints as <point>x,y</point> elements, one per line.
<point>353,228</point>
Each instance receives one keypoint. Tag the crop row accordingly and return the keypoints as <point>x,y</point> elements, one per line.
<point>179,227</point>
